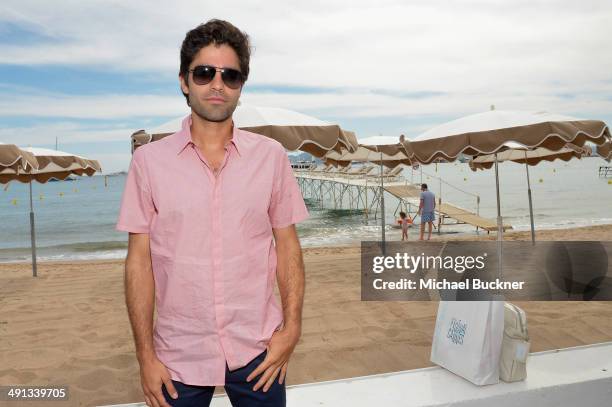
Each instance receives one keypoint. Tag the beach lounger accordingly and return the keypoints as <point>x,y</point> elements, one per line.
<point>385,172</point>
<point>319,168</point>
<point>354,171</point>
<point>361,171</point>
<point>389,173</point>
<point>394,173</point>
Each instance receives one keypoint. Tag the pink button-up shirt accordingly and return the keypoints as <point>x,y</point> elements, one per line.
<point>212,251</point>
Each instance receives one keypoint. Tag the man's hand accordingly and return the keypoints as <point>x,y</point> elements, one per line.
<point>153,374</point>
<point>280,349</point>
<point>290,277</point>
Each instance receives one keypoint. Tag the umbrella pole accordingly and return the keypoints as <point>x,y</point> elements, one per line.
<point>32,233</point>
<point>500,226</point>
<point>366,198</point>
<point>382,205</point>
<point>530,203</point>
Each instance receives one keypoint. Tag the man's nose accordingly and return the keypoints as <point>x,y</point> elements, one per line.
<point>217,82</point>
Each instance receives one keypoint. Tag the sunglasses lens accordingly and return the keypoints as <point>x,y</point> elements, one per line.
<point>232,78</point>
<point>203,74</point>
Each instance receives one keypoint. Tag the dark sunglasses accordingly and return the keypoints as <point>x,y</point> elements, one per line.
<point>204,74</point>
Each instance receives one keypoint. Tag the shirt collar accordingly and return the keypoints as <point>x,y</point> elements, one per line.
<point>183,136</point>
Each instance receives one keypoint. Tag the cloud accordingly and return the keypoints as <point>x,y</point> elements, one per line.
<point>92,107</point>
<point>397,65</point>
<point>394,45</point>
<point>66,132</point>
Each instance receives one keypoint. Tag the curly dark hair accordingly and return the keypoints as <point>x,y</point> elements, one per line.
<point>215,32</point>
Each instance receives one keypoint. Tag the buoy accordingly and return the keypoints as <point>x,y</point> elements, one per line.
<point>554,170</point>
<point>14,202</point>
<point>541,180</point>
<point>40,197</point>
<point>464,178</point>
<point>61,194</point>
<point>610,182</point>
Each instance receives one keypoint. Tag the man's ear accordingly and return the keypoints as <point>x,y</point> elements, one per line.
<point>183,84</point>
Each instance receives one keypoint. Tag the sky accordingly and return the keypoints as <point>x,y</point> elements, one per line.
<point>91,73</point>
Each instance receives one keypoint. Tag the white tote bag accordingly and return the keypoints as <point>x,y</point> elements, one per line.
<point>467,339</point>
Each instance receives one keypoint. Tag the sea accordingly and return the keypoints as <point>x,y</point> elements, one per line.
<point>75,220</point>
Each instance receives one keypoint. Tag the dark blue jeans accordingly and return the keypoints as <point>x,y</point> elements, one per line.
<point>240,392</point>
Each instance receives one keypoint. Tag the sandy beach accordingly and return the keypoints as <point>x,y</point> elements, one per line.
<point>70,327</point>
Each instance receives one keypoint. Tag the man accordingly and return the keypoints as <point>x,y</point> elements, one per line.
<point>204,208</point>
<point>426,210</point>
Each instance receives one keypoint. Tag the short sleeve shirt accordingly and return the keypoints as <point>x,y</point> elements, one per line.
<point>212,247</point>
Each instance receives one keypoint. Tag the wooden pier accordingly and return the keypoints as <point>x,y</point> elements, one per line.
<point>363,192</point>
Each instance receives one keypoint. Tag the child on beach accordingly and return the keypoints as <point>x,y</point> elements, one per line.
<point>404,221</point>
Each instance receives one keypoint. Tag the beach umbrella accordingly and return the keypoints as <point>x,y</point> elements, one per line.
<point>518,153</point>
<point>487,133</point>
<point>49,164</point>
<point>294,130</point>
<point>368,153</point>
<point>387,144</point>
<point>12,157</point>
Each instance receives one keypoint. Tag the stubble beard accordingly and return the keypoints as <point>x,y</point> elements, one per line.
<point>215,114</point>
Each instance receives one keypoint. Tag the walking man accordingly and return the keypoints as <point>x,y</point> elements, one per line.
<point>427,207</point>
<point>211,213</point>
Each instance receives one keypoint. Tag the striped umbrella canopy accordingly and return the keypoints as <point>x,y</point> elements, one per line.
<point>370,149</point>
<point>386,144</point>
<point>294,130</point>
<point>487,133</point>
<point>49,164</point>
<point>519,153</point>
<point>14,158</point>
